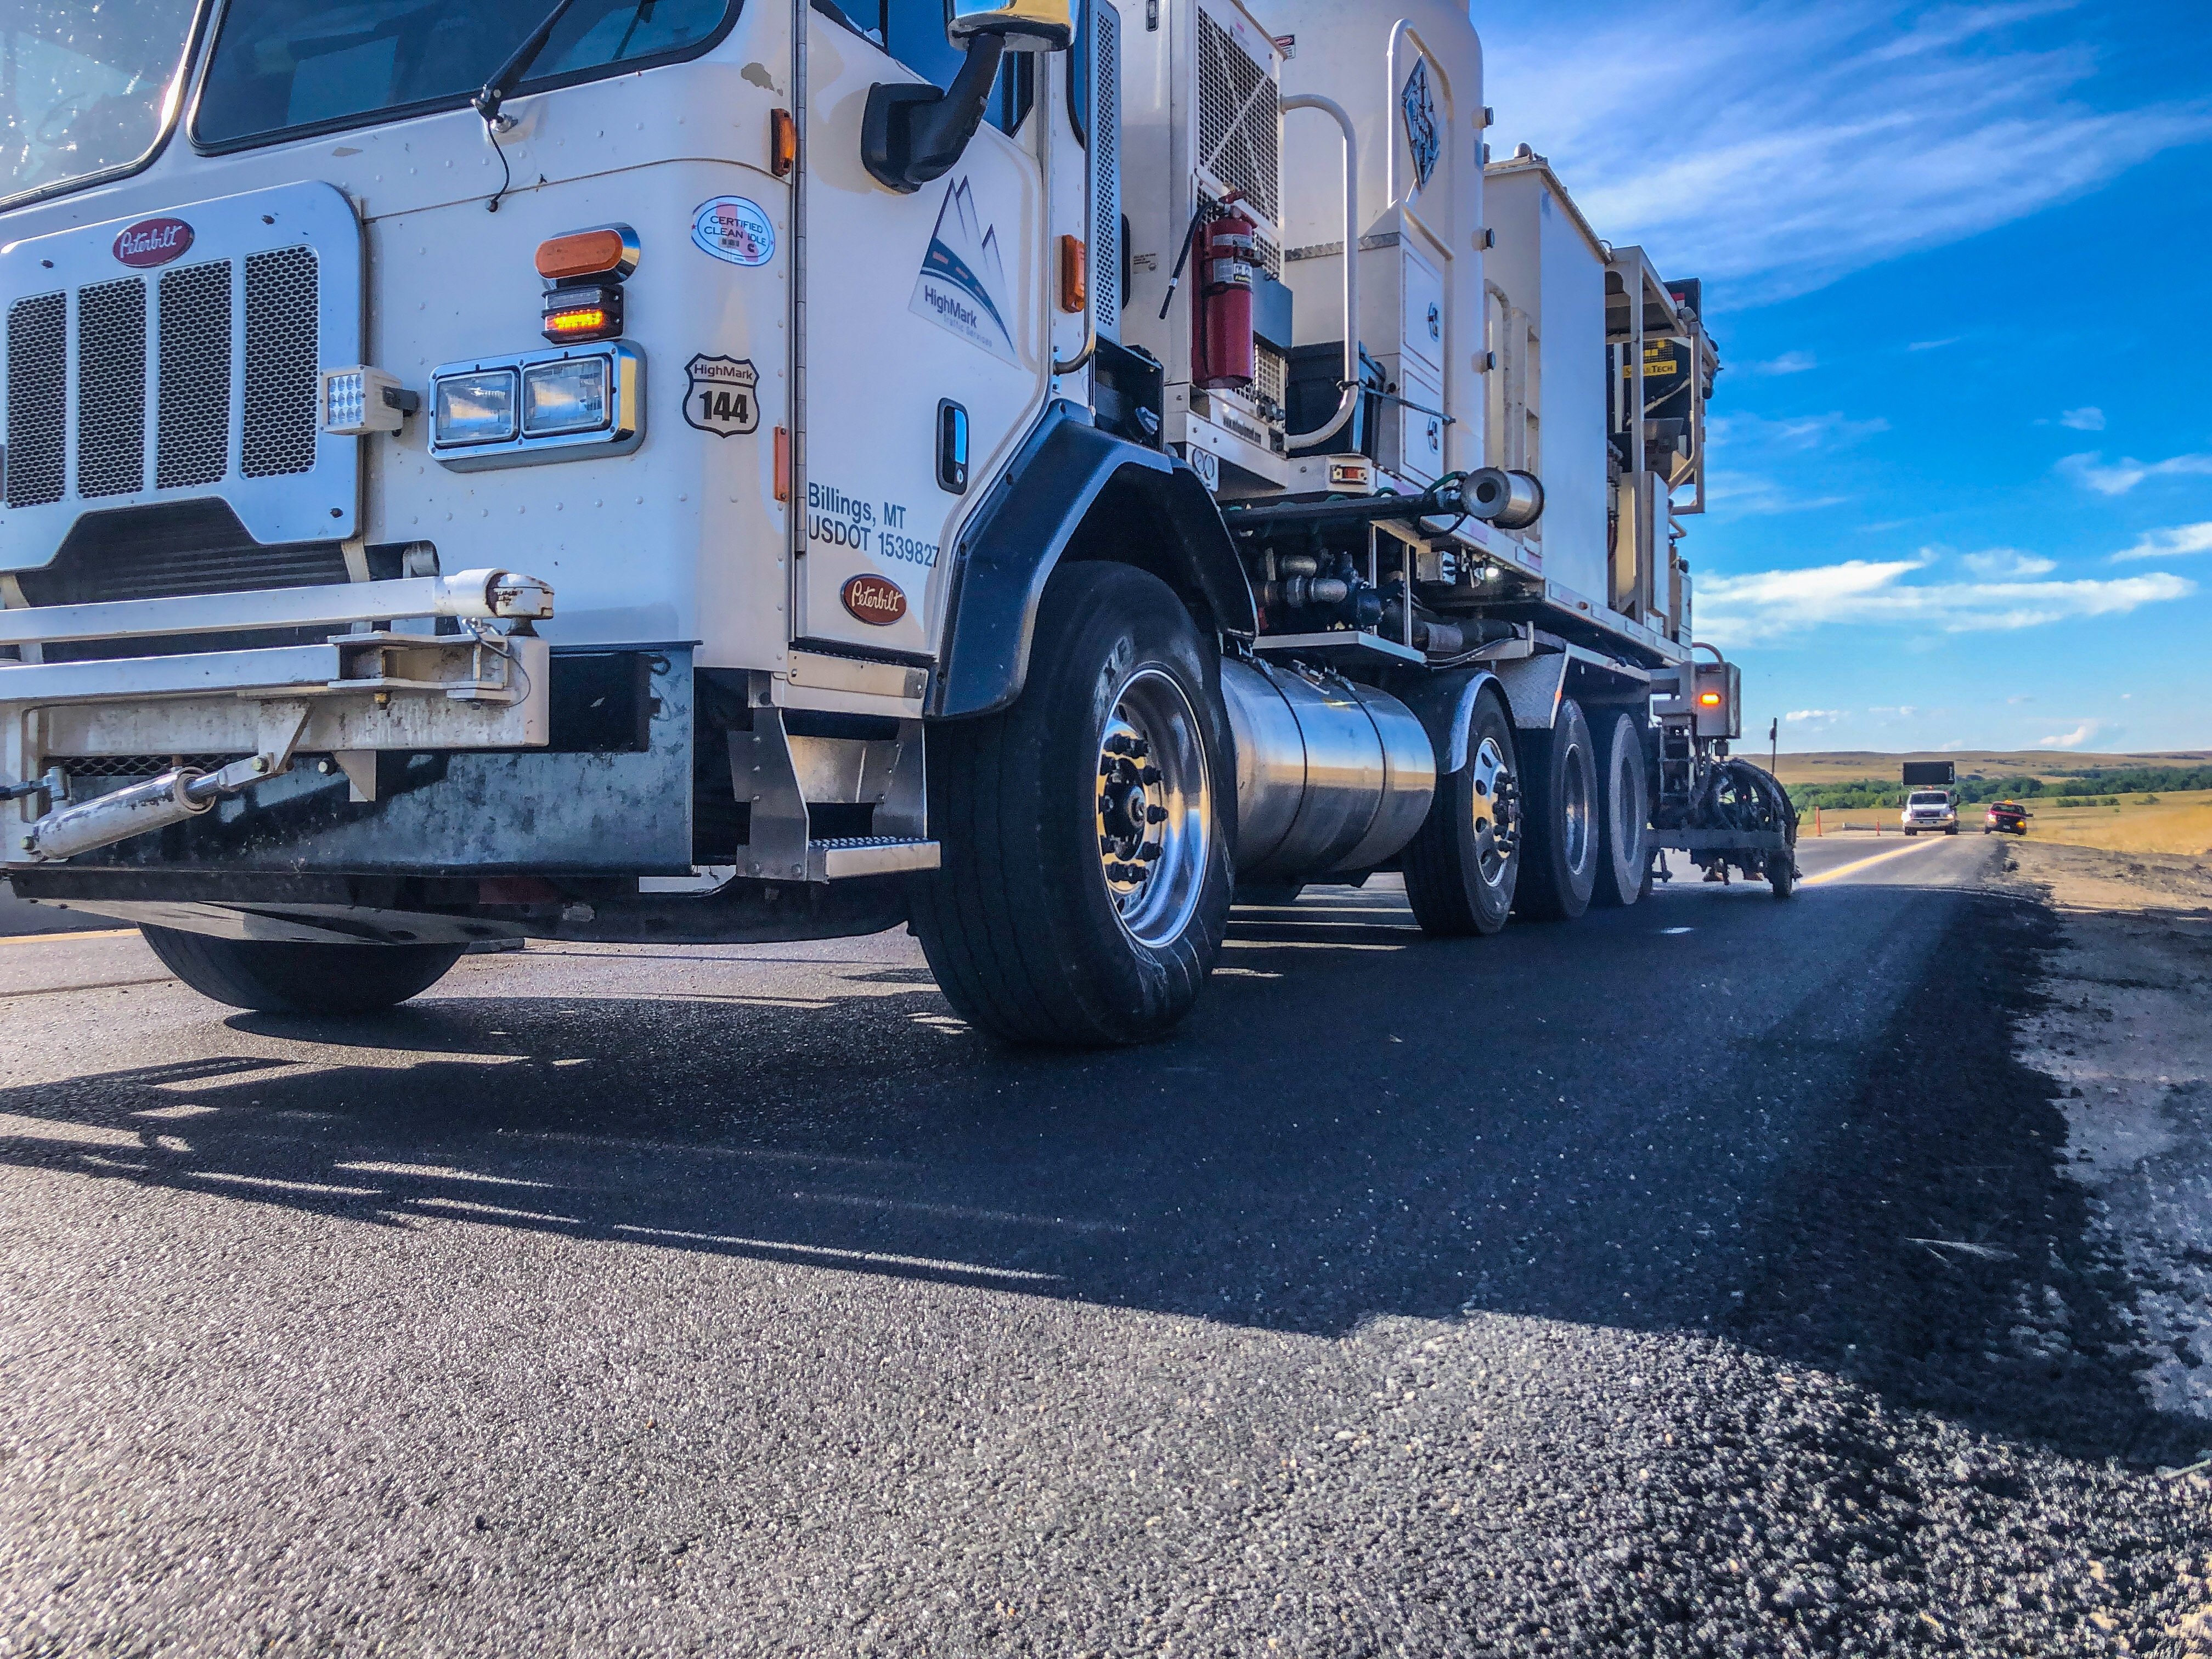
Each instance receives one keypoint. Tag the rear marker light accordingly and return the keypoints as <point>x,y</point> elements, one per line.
<point>782,143</point>
<point>1709,699</point>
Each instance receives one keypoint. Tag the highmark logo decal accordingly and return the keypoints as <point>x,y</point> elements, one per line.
<point>962,282</point>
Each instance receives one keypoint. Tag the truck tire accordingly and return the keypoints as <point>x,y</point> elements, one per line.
<point>281,976</point>
<point>1045,923</point>
<point>1625,811</point>
<point>1559,814</point>
<point>1462,866</point>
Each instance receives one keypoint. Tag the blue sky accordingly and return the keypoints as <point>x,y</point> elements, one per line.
<point>1959,260</point>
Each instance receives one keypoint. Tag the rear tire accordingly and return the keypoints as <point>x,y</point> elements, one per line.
<point>1560,835</point>
<point>1625,811</point>
<point>1045,924</point>
<point>1462,866</point>
<point>1781,873</point>
<point>281,976</point>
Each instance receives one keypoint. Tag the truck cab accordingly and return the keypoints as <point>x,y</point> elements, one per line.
<point>739,470</point>
<point>1929,811</point>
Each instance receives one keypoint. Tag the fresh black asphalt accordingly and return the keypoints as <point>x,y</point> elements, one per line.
<point>1560,1293</point>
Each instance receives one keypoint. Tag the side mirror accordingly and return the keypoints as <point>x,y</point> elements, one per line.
<point>910,134</point>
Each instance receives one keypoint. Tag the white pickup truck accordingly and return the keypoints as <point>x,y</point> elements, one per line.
<point>1930,810</point>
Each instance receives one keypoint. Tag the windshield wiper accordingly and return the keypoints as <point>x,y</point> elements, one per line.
<point>493,93</point>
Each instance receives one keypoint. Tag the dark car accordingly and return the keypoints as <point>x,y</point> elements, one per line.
<point>2009,817</point>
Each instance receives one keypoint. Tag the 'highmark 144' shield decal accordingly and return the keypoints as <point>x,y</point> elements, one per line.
<point>962,284</point>
<point>723,397</point>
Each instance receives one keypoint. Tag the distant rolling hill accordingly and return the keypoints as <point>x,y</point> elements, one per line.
<point>1851,765</point>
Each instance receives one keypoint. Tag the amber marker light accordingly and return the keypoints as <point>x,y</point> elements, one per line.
<point>1709,699</point>
<point>1073,275</point>
<point>782,143</point>
<point>606,251</point>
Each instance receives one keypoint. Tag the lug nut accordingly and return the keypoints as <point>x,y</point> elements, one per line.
<point>1155,814</point>
<point>1149,851</point>
<point>1150,774</point>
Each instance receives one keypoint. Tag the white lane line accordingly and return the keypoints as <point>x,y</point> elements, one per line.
<point>831,1256</point>
<point>1861,863</point>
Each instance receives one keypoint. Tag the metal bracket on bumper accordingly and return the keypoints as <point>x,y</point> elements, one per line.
<point>356,692</point>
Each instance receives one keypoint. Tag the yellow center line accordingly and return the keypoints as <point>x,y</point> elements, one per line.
<point>57,939</point>
<point>1861,863</point>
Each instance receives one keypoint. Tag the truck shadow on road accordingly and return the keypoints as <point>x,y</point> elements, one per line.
<point>1615,1124</point>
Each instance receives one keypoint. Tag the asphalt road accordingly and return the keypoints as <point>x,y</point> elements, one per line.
<point>1565,1293</point>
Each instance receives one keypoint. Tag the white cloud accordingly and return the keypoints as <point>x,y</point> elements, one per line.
<point>1772,605</point>
<point>1790,362</point>
<point>1751,492</point>
<point>2088,419</point>
<point>1934,345</point>
<point>2090,470</point>
<point>1819,716</point>
<point>2023,697</point>
<point>2001,564</point>
<point>2074,739</point>
<point>2168,544</point>
<point>1803,116</point>
<point>1794,433</point>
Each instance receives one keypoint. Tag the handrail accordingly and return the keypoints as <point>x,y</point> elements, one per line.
<point>1350,399</point>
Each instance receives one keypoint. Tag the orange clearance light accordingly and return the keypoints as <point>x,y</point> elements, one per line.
<point>567,324</point>
<point>1073,275</point>
<point>782,143</point>
<point>607,251</point>
<point>1709,699</point>
<point>586,311</point>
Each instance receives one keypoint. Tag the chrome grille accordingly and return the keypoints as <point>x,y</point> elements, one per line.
<point>191,446</point>
<point>1106,170</point>
<point>38,363</point>
<point>111,388</point>
<point>1239,125</point>
<point>281,320</point>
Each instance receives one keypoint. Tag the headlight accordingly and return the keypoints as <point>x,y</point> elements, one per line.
<point>565,397</point>
<point>475,409</point>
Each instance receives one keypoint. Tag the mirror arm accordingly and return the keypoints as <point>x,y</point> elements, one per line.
<point>913,133</point>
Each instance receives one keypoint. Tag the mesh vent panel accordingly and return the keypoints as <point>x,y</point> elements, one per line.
<point>1106,170</point>
<point>111,388</point>
<point>1239,126</point>
<point>38,354</point>
<point>281,324</point>
<point>192,443</point>
<point>1271,375</point>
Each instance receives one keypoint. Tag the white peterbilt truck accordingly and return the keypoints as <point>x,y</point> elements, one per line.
<point>753,470</point>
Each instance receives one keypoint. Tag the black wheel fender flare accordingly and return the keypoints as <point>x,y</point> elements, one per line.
<point>1076,492</point>
<point>1444,705</point>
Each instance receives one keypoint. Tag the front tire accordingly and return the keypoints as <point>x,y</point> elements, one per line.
<point>1086,881</point>
<point>1462,867</point>
<point>1624,811</point>
<point>1559,857</point>
<point>282,976</point>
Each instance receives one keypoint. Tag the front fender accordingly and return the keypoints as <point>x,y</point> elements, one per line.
<point>1076,491</point>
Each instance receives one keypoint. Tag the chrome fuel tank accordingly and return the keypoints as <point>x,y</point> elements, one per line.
<point>1331,774</point>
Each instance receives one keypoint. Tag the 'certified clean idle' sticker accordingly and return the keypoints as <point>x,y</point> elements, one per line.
<point>723,397</point>
<point>735,229</point>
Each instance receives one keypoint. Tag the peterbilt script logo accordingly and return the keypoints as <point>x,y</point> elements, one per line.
<point>722,397</point>
<point>153,242</point>
<point>874,600</point>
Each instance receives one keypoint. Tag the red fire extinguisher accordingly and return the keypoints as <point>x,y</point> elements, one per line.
<point>1221,336</point>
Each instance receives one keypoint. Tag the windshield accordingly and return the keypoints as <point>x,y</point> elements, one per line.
<point>1931,798</point>
<point>84,87</point>
<point>285,66</point>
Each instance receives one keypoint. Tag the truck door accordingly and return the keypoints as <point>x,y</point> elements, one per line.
<point>923,312</point>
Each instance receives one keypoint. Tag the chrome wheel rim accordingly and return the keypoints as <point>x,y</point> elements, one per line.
<point>1497,812</point>
<point>1155,809</point>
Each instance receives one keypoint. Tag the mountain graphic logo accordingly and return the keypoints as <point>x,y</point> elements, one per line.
<point>962,284</point>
